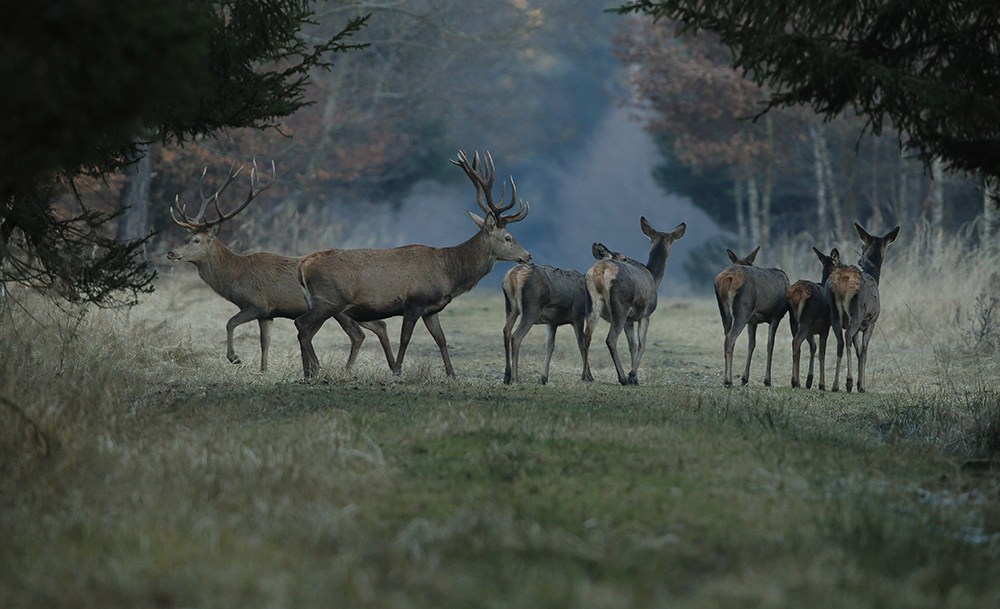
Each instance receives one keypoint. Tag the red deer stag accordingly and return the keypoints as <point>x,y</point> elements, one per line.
<point>749,296</point>
<point>809,315</point>
<point>262,285</point>
<point>542,294</point>
<point>625,293</point>
<point>414,281</point>
<point>853,292</point>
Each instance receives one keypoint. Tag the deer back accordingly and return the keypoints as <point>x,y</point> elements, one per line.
<point>758,294</point>
<point>561,294</point>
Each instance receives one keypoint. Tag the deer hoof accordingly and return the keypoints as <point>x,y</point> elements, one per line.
<point>727,383</point>
<point>744,382</point>
<point>545,380</point>
<point>767,382</point>
<point>821,387</point>
<point>849,385</point>
<point>809,382</point>
<point>588,378</point>
<point>236,360</point>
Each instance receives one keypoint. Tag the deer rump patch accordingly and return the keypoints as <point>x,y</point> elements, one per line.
<point>844,284</point>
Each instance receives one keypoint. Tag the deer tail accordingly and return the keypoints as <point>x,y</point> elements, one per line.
<point>727,283</point>
<point>797,295</point>
<point>844,285</point>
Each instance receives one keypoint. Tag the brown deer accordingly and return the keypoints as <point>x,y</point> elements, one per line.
<point>853,292</point>
<point>809,313</point>
<point>414,281</point>
<point>542,294</point>
<point>749,296</point>
<point>624,293</point>
<point>262,284</point>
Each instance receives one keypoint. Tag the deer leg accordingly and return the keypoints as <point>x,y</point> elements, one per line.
<point>235,321</point>
<point>265,341</point>
<point>528,318</point>
<point>378,328</point>
<point>433,325</point>
<point>812,360</point>
<point>595,314</point>
<point>730,344</point>
<point>512,313</point>
<point>632,349</point>
<point>617,325</point>
<point>863,358</point>
<point>581,341</point>
<point>850,337</point>
<point>772,329</point>
<point>751,345</point>
<point>409,321</point>
<point>796,354</point>
<point>822,359</point>
<point>354,333</point>
<point>838,333</point>
<point>308,324</point>
<point>640,351</point>
<point>550,346</point>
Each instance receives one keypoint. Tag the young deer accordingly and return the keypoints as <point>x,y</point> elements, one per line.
<point>414,281</point>
<point>749,296</point>
<point>809,315</point>
<point>854,294</point>
<point>542,294</point>
<point>262,284</point>
<point>625,293</point>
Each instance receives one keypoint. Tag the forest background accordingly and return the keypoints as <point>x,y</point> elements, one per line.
<point>599,118</point>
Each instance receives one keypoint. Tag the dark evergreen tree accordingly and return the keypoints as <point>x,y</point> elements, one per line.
<point>929,68</point>
<point>88,84</point>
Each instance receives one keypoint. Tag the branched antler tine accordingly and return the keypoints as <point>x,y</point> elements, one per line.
<point>483,196</point>
<point>255,189</point>
<point>522,209</point>
<point>503,194</point>
<point>186,223</point>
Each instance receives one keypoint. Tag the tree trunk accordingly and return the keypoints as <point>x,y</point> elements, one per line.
<point>134,198</point>
<point>991,211</point>
<point>935,199</point>
<point>819,151</point>
<point>741,219</point>
<point>753,210</point>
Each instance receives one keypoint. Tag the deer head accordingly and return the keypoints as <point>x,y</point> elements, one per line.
<point>493,225</point>
<point>748,261</point>
<point>202,238</point>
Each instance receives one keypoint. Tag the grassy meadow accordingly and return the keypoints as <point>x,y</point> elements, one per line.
<point>138,468</point>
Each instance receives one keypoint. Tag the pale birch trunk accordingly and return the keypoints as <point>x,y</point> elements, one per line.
<point>935,200</point>
<point>134,198</point>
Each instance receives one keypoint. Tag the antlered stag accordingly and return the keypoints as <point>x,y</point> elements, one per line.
<point>624,293</point>
<point>542,294</point>
<point>854,294</point>
<point>809,313</point>
<point>262,284</point>
<point>749,296</point>
<point>414,281</point>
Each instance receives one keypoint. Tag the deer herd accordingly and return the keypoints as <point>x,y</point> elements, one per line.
<point>360,288</point>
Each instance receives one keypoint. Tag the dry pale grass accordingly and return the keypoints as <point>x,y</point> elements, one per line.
<point>139,468</point>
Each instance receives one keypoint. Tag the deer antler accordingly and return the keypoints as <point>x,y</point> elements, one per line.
<point>483,181</point>
<point>198,222</point>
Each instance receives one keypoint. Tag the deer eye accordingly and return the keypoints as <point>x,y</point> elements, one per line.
<point>508,238</point>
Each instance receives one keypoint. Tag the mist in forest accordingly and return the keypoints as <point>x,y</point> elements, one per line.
<point>597,194</point>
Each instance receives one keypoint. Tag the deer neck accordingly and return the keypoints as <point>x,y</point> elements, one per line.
<point>469,262</point>
<point>872,266</point>
<point>657,263</point>
<point>222,268</point>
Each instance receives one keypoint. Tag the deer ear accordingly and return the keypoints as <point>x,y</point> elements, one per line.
<point>891,236</point>
<point>835,255</point>
<point>732,256</point>
<point>679,231</point>
<point>819,254</point>
<point>862,233</point>
<point>477,220</point>
<point>599,251</point>
<point>752,255</point>
<point>213,231</point>
<point>647,228</point>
